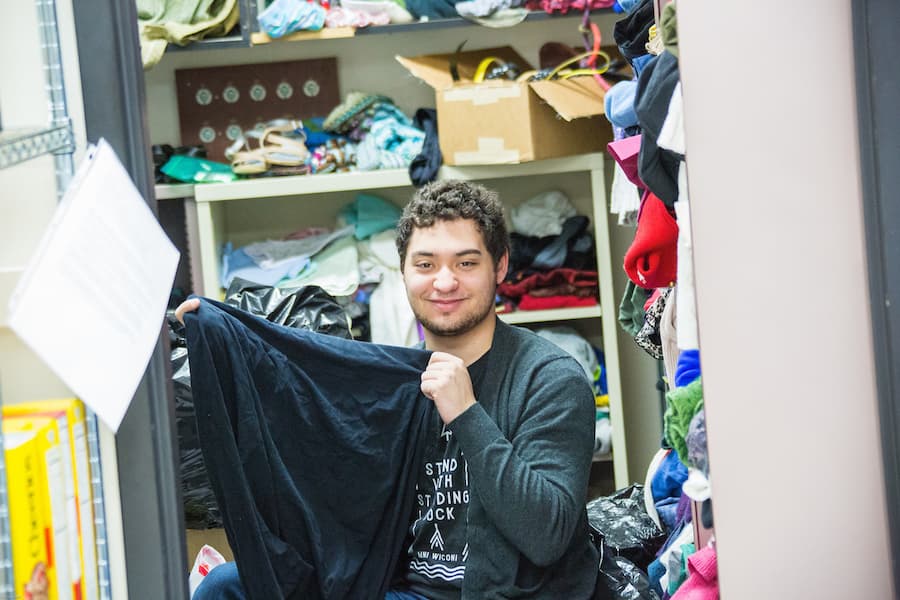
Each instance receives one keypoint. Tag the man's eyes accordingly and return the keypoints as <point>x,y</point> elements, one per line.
<point>466,264</point>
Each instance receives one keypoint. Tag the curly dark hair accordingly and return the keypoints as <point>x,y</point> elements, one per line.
<point>451,200</point>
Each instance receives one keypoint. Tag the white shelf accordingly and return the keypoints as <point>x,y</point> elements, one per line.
<point>556,314</point>
<point>170,191</point>
<point>301,185</point>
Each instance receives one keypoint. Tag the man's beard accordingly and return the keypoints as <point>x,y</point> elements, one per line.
<point>467,324</point>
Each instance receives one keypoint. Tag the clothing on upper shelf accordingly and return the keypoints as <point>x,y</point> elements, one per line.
<point>161,22</point>
<point>424,167</point>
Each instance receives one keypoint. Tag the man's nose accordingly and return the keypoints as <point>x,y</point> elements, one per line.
<point>444,280</point>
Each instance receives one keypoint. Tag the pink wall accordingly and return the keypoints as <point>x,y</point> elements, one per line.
<point>782,296</point>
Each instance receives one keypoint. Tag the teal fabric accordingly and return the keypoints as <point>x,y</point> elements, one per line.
<point>370,215</point>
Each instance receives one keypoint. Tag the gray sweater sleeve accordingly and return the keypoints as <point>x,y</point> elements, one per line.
<point>533,487</point>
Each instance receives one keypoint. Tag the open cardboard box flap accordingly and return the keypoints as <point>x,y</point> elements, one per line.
<point>434,69</point>
<point>571,99</point>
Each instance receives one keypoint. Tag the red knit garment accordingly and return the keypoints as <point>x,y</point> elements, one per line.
<point>546,279</point>
<point>529,302</point>
<point>651,261</point>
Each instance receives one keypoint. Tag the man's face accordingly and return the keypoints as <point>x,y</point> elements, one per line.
<point>450,277</point>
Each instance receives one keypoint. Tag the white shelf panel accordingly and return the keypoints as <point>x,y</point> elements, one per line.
<point>299,185</point>
<point>567,164</point>
<point>170,191</point>
<point>556,314</point>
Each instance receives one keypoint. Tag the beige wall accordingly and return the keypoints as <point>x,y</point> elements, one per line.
<point>783,302</point>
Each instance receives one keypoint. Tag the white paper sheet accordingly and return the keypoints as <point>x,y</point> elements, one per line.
<point>92,300</point>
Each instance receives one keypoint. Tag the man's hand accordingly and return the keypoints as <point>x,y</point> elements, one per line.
<point>446,382</point>
<point>186,306</point>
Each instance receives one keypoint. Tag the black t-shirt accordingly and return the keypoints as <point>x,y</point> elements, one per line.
<point>436,556</point>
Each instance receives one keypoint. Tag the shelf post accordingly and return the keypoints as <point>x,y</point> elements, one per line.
<point>56,92</point>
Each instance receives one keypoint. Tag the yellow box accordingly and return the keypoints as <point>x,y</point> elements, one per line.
<point>72,410</point>
<point>30,533</point>
<point>53,481</point>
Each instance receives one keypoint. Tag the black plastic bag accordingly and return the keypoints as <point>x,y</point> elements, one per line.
<point>309,307</point>
<point>627,529</point>
<point>620,579</point>
<point>305,308</point>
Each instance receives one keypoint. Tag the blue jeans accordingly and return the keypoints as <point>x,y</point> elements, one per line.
<point>223,583</point>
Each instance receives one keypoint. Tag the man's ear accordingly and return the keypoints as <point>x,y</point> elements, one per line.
<point>502,267</point>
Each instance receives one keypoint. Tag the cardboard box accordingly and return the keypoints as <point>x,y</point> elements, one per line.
<point>70,416</point>
<point>501,121</point>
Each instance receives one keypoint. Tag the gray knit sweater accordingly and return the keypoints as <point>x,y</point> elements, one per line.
<point>528,443</point>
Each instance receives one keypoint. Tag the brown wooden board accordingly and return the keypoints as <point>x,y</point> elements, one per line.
<point>217,103</point>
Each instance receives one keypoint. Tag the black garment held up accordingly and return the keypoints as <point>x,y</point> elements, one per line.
<point>312,445</point>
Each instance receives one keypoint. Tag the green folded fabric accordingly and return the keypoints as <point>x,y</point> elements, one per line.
<point>181,21</point>
<point>682,404</point>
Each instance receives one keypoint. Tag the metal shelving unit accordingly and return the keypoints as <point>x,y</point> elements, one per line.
<point>17,146</point>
